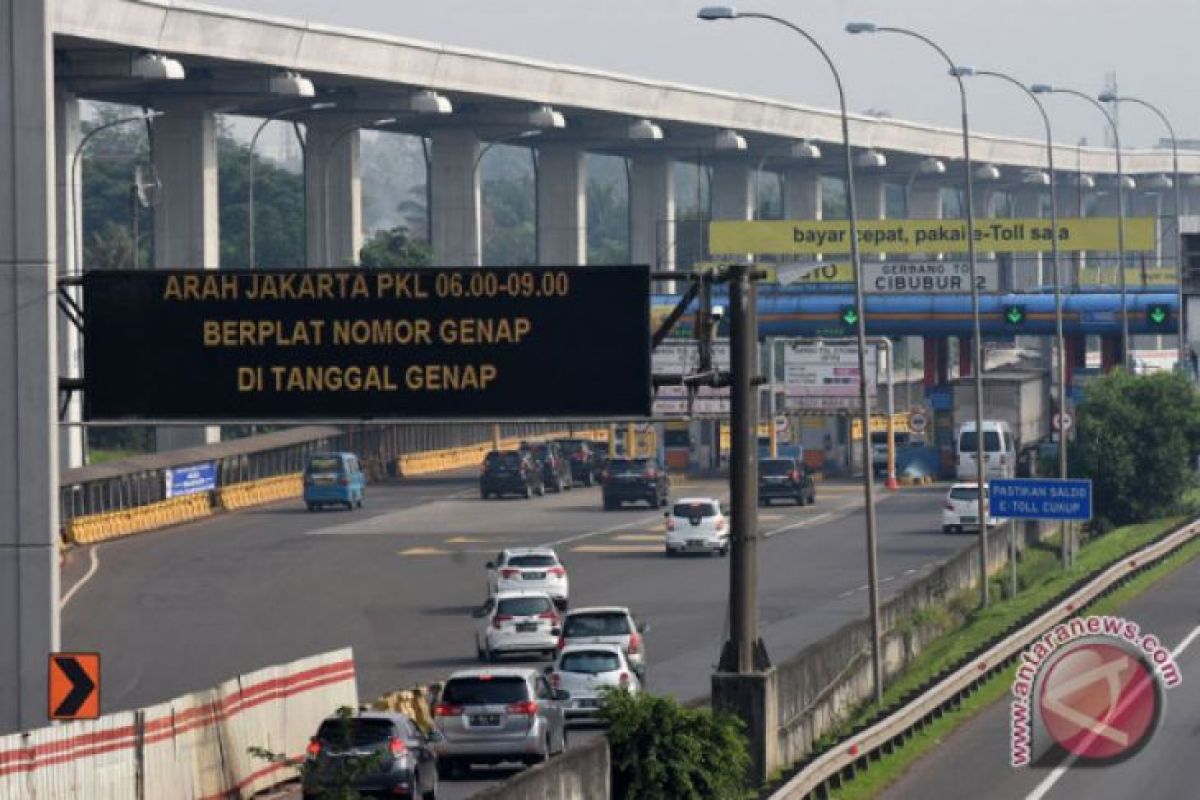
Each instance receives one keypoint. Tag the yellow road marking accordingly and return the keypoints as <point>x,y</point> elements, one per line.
<point>467,540</point>
<point>424,551</point>
<point>617,548</point>
<point>640,537</point>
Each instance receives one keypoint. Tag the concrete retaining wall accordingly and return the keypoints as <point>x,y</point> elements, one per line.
<point>582,773</point>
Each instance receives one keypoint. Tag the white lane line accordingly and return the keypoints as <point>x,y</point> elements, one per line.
<point>910,571</point>
<point>1054,777</point>
<point>577,537</point>
<point>801,524</point>
<point>888,578</point>
<point>845,594</point>
<point>87,576</point>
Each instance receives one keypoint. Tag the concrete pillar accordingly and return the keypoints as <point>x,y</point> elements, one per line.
<point>561,205</point>
<point>934,367</point>
<point>186,220</point>
<point>67,200</point>
<point>732,190</point>
<point>332,193</point>
<point>870,198</point>
<point>454,190</point>
<point>925,200</point>
<point>802,193</point>
<point>29,445</point>
<point>1029,269</point>
<point>652,210</point>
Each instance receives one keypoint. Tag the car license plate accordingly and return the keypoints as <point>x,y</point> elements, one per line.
<point>589,703</point>
<point>534,576</point>
<point>526,627</point>
<point>485,719</point>
<point>324,480</point>
<point>695,543</point>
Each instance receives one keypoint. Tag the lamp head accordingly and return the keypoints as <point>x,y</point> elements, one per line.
<point>645,130</point>
<point>962,71</point>
<point>710,13</point>
<point>1108,96</point>
<point>861,27</point>
<point>430,102</point>
<point>1041,88</point>
<point>287,82</point>
<point>547,117</point>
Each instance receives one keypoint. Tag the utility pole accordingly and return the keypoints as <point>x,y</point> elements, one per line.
<point>744,653</point>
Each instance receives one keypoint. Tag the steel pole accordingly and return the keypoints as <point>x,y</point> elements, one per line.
<point>891,415</point>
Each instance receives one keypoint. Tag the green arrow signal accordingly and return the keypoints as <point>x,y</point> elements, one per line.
<point>1157,315</point>
<point>850,315</point>
<point>1014,315</point>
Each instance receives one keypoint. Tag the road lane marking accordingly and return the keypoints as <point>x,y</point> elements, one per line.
<point>801,524</point>
<point>1054,777</point>
<point>845,594</point>
<point>469,540</point>
<point>87,576</point>
<point>639,537</point>
<point>425,551</point>
<point>642,521</point>
<point>617,548</point>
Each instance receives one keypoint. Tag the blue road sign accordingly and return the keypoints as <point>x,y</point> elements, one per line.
<point>1036,498</point>
<point>192,479</point>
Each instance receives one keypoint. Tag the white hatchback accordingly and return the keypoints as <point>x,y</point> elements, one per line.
<point>697,525</point>
<point>515,623</point>
<point>960,509</point>
<point>529,569</point>
<point>585,671</point>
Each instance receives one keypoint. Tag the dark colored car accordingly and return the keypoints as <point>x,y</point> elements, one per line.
<point>629,480</point>
<point>785,478</point>
<point>599,459</point>
<point>510,472</point>
<point>378,754</point>
<point>556,472</point>
<point>581,458</point>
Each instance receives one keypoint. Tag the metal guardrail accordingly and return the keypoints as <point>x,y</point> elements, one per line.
<point>857,750</point>
<point>139,480</point>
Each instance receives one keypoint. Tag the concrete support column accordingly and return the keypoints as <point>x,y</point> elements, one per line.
<point>332,193</point>
<point>935,360</point>
<point>186,220</point>
<point>732,190</point>
<point>561,205</point>
<point>925,200</point>
<point>454,190</point>
<point>29,445</point>
<point>1029,269</point>
<point>870,197</point>
<point>652,210</point>
<point>802,193</point>
<point>68,241</point>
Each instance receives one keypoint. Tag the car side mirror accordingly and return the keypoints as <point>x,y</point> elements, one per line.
<point>561,695</point>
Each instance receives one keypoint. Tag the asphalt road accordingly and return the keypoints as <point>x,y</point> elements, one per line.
<point>977,754</point>
<point>183,609</point>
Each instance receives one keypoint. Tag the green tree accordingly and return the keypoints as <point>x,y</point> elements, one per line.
<point>607,223</point>
<point>395,248</point>
<point>509,234</point>
<point>279,236</point>
<point>663,751</point>
<point>1137,436</point>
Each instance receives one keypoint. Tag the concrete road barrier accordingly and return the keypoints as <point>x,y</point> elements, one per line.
<point>265,490</point>
<point>101,527</point>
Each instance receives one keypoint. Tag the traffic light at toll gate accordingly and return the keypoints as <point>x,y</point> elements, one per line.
<point>850,315</point>
<point>1158,314</point>
<point>1014,315</point>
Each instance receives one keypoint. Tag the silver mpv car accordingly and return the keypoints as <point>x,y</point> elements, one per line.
<point>494,715</point>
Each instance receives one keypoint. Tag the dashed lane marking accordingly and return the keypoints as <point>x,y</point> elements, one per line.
<point>639,537</point>
<point>617,548</point>
<point>640,522</point>
<point>424,551</point>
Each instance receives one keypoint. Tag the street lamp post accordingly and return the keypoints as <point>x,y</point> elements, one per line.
<point>720,12</point>
<point>1042,88</point>
<point>1111,97</point>
<point>1060,373</point>
<point>253,162</point>
<point>869,27</point>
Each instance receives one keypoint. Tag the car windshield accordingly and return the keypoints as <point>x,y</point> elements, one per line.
<point>508,459</point>
<point>775,466</point>
<point>354,732</point>
<point>590,662</point>
<point>628,464</point>
<point>324,464</point>
<point>532,561</point>
<point>571,445</point>
<point>964,493</point>
<point>604,624</point>
<point>694,510</point>
<point>523,606</point>
<point>968,443</point>
<point>485,690</point>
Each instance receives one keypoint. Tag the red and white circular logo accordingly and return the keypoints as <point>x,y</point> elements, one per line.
<point>1100,701</point>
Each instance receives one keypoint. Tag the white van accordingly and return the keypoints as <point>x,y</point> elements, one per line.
<point>999,450</point>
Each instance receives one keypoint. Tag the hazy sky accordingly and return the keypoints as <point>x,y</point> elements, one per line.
<point>1150,44</point>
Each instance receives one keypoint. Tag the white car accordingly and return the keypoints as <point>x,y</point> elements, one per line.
<point>960,510</point>
<point>517,623</point>
<point>584,671</point>
<point>697,525</point>
<point>529,569</point>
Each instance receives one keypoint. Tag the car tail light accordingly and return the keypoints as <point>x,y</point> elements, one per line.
<point>314,747</point>
<point>795,476</point>
<point>562,642</point>
<point>558,572</point>
<point>550,615</point>
<point>397,746</point>
<point>604,476</point>
<point>624,680</point>
<point>651,474</point>
<point>447,710</point>
<point>635,644</point>
<point>525,708</point>
<point>720,523</point>
<point>670,523</point>
<point>555,680</point>
<point>510,573</point>
<point>500,619</point>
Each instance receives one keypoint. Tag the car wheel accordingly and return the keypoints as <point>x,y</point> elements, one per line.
<point>360,501</point>
<point>349,504</point>
<point>311,506</point>
<point>447,768</point>
<point>541,492</point>
<point>725,549</point>
<point>669,552</point>
<point>528,492</point>
<point>565,739</point>
<point>662,501</point>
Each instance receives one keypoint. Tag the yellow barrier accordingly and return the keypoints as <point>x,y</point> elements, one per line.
<point>101,527</point>
<point>265,490</point>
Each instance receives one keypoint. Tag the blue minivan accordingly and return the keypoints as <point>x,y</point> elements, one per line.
<point>333,479</point>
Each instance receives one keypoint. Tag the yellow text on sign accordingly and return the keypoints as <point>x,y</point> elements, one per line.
<point>879,424</point>
<point>809,237</point>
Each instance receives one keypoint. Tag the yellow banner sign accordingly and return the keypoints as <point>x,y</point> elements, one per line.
<point>879,424</point>
<point>900,236</point>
